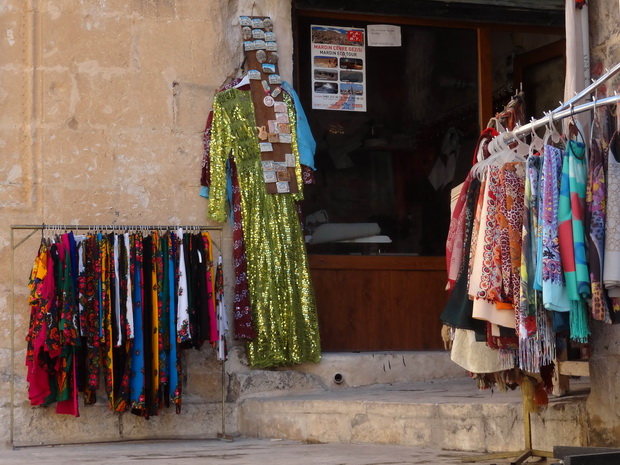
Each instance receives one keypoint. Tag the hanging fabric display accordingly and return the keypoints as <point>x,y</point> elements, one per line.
<point>282,301</point>
<point>530,251</point>
<point>258,154</point>
<point>115,311</point>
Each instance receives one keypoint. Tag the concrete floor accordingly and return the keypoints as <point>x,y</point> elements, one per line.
<point>240,451</point>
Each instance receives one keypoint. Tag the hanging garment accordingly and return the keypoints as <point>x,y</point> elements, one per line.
<point>485,285</point>
<point>106,303</point>
<point>211,298</point>
<point>136,378</point>
<point>458,310</point>
<point>222,314</point>
<point>455,244</point>
<point>91,322</point>
<point>571,210</point>
<point>528,299</point>
<point>242,314</point>
<point>536,337</point>
<point>174,360</point>
<point>182,325</point>
<point>510,221</point>
<point>596,201</point>
<point>283,307</point>
<point>41,285</point>
<point>107,322</point>
<point>611,266</point>
<point>475,356</point>
<point>549,265</point>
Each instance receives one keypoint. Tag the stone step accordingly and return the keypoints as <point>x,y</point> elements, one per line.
<point>450,414</point>
<point>340,371</point>
<point>356,369</point>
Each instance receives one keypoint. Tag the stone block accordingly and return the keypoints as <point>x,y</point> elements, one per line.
<point>272,382</point>
<point>191,103</point>
<point>12,169</point>
<point>15,196</point>
<point>86,204</point>
<point>203,376</point>
<point>613,57</point>
<point>76,157</point>
<point>93,8</point>
<point>72,39</point>
<point>604,24</point>
<point>60,97</point>
<point>199,420</point>
<point>393,423</point>
<point>376,416</point>
<point>13,45</point>
<point>162,45</point>
<point>161,9</point>
<point>42,425</point>
<point>206,11</point>
<point>364,369</point>
<point>119,102</point>
<point>12,98</point>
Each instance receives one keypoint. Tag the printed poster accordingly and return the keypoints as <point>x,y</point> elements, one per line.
<point>338,68</point>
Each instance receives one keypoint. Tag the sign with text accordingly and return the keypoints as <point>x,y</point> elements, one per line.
<point>338,68</point>
<point>384,35</point>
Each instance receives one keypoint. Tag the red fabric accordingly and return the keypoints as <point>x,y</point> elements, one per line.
<point>456,232</point>
<point>456,235</point>
<point>37,376</point>
<point>244,328</point>
<point>70,406</point>
<point>483,141</point>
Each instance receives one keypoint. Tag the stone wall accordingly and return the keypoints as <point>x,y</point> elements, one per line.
<point>604,400</point>
<point>103,103</point>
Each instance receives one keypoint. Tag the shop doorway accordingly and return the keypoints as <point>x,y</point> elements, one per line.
<point>378,215</point>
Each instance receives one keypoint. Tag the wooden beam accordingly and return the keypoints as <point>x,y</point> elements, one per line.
<point>529,17</point>
<point>485,76</point>
<point>543,5</point>
<point>574,368</point>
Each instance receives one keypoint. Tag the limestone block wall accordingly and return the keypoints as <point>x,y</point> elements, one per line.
<point>102,107</point>
<point>604,401</point>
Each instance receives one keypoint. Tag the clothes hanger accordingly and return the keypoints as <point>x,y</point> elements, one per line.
<point>574,131</point>
<point>552,136</point>
<point>596,124</point>
<point>500,154</point>
<point>536,144</point>
<point>518,146</point>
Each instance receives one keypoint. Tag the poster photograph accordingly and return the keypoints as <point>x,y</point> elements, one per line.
<point>338,68</point>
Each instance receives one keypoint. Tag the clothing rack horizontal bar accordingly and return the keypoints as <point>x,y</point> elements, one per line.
<point>585,92</point>
<point>509,136</point>
<point>83,227</point>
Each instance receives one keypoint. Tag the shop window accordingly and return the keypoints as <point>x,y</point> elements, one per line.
<point>395,164</point>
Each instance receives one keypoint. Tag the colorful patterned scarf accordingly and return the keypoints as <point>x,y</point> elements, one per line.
<point>571,208</point>
<point>554,292</point>
<point>596,193</point>
<point>611,266</point>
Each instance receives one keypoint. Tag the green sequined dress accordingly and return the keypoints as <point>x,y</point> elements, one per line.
<point>281,293</point>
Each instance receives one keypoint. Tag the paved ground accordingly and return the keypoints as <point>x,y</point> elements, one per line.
<point>240,451</point>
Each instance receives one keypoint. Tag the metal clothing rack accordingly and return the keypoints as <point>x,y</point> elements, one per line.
<point>510,136</point>
<point>565,110</point>
<point>34,228</point>
<point>592,87</point>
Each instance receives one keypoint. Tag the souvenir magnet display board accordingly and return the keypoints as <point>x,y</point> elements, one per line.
<point>271,112</point>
